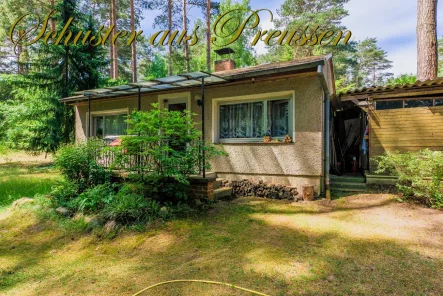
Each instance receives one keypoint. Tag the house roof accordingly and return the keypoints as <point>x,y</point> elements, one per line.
<point>274,68</point>
<point>189,80</point>
<point>410,89</point>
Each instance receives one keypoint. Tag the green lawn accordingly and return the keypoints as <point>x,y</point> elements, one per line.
<point>25,180</point>
<point>359,245</point>
<point>365,244</point>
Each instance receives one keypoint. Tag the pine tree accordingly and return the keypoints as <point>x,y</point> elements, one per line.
<point>427,60</point>
<point>297,14</point>
<point>170,18</point>
<point>38,121</point>
<point>244,52</point>
<point>372,63</point>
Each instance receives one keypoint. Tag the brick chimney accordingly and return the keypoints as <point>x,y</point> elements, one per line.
<point>224,64</point>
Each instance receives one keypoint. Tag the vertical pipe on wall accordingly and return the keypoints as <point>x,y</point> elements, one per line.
<point>327,124</point>
<point>203,128</point>
<point>327,145</point>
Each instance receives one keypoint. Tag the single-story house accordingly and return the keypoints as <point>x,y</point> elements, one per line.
<point>402,118</point>
<point>241,106</point>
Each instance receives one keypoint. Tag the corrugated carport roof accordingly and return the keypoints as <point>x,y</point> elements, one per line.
<point>160,84</point>
<point>399,89</point>
<point>193,79</point>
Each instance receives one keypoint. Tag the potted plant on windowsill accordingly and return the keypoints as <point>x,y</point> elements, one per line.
<point>267,138</point>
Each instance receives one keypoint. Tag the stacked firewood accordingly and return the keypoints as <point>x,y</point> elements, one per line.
<point>261,189</point>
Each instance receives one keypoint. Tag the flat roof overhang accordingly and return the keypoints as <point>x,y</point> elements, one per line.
<point>193,80</point>
<point>156,85</point>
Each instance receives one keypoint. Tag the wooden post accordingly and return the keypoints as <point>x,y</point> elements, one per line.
<point>308,192</point>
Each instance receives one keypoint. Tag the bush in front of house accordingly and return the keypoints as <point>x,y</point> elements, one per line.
<point>93,199</point>
<point>419,174</point>
<point>129,206</point>
<point>79,163</point>
<point>162,151</point>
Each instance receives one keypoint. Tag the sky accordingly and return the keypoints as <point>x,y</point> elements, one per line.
<point>392,22</point>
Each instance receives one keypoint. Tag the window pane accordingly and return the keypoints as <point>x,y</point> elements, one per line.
<point>389,105</point>
<point>98,126</point>
<point>417,103</point>
<point>115,125</point>
<point>278,118</point>
<point>438,102</point>
<point>241,120</point>
<point>177,107</point>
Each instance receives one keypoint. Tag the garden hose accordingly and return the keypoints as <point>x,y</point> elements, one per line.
<point>199,281</point>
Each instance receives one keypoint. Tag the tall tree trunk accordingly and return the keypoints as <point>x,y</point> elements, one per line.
<point>170,37</point>
<point>427,60</point>
<point>208,34</point>
<point>133,53</point>
<point>374,75</point>
<point>111,46</point>
<point>52,22</point>
<point>357,70</point>
<point>185,28</point>
<point>114,53</point>
<point>19,63</point>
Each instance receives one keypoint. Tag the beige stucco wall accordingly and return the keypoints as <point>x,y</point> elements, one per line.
<point>293,164</point>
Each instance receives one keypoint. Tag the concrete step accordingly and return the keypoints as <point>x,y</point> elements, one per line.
<point>348,185</point>
<point>224,192</point>
<point>356,190</point>
<point>218,183</point>
<point>348,179</point>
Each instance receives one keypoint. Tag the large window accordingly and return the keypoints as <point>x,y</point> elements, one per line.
<point>109,125</point>
<point>253,120</point>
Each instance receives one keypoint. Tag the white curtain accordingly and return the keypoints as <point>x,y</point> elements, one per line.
<point>241,120</point>
<point>278,118</point>
<point>247,120</point>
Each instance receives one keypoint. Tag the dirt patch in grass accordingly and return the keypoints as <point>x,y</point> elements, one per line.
<point>24,158</point>
<point>359,245</point>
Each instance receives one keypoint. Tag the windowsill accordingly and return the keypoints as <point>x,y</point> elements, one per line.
<point>253,141</point>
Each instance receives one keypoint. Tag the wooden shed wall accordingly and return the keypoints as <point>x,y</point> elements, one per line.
<point>408,129</point>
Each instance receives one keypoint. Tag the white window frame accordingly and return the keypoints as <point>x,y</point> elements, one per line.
<point>175,98</point>
<point>290,95</point>
<point>104,113</point>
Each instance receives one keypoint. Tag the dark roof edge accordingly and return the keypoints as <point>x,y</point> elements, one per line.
<point>278,69</point>
<point>364,93</point>
<point>274,71</point>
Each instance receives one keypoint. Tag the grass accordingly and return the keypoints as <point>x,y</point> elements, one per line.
<point>25,180</point>
<point>359,245</point>
<point>355,245</point>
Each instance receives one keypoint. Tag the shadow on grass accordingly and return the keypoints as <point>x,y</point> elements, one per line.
<point>239,243</point>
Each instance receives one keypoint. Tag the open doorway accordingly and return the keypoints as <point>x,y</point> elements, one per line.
<point>349,141</point>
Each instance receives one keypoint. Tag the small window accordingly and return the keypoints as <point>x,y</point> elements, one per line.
<point>385,105</point>
<point>254,120</point>
<point>418,103</point>
<point>438,102</point>
<point>278,118</point>
<point>109,125</point>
